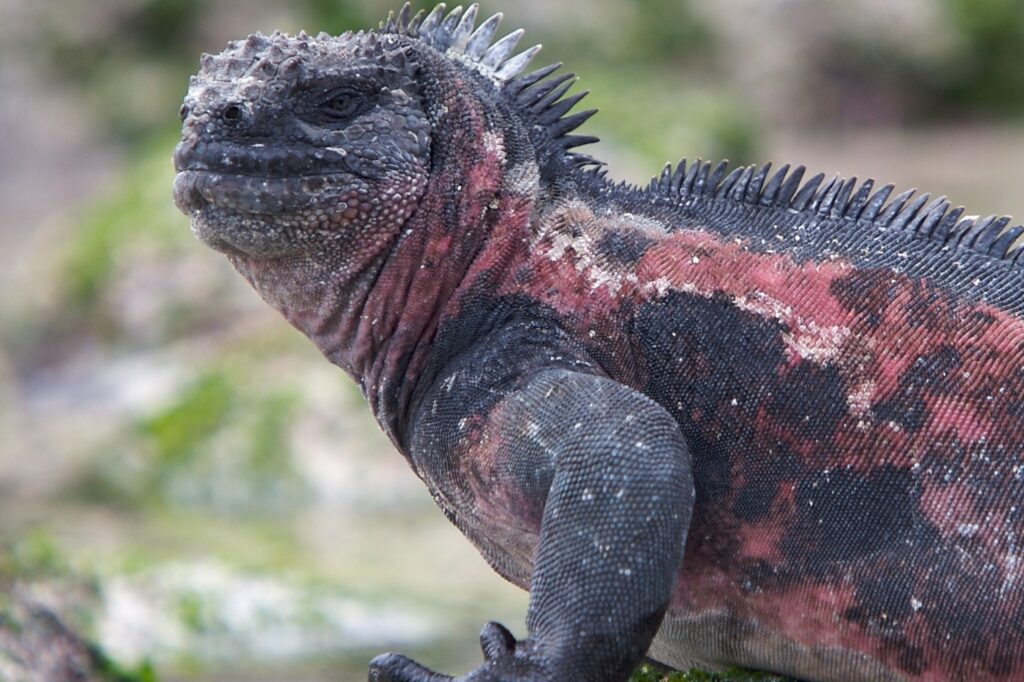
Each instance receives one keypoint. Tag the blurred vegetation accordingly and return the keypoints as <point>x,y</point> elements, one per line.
<point>975,72</point>
<point>986,75</point>
<point>135,213</point>
<point>200,417</point>
<point>220,446</point>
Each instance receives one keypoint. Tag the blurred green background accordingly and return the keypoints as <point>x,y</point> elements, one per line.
<point>184,480</point>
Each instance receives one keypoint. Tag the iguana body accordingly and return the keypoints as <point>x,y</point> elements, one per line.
<point>721,420</point>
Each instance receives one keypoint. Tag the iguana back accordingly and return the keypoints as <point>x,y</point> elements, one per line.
<point>848,377</point>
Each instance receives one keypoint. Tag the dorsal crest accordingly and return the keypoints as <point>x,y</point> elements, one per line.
<point>844,199</point>
<point>539,96</point>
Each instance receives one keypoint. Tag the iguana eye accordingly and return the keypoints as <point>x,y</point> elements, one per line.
<point>342,105</point>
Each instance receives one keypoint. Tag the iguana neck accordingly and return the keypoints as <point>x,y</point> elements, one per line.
<point>374,313</point>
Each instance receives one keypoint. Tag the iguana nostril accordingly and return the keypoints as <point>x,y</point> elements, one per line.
<point>231,114</point>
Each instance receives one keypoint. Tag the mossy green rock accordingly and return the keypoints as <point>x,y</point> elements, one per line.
<point>648,673</point>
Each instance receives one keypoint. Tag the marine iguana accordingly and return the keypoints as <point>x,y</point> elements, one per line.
<point>725,419</point>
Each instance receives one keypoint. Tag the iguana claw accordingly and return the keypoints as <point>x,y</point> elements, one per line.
<point>497,642</point>
<point>396,668</point>
<point>501,662</point>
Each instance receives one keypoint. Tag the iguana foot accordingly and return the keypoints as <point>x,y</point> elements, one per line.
<point>504,659</point>
<point>397,668</point>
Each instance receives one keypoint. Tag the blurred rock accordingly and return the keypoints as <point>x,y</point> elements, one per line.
<point>37,646</point>
<point>792,58</point>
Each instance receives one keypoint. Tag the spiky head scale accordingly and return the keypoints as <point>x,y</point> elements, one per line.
<point>538,98</point>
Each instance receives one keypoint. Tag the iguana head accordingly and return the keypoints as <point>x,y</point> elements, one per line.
<point>290,143</point>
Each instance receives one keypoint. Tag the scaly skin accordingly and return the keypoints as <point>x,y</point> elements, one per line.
<point>716,421</point>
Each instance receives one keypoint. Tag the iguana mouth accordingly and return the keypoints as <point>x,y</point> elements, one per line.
<point>256,179</point>
<point>195,188</point>
<point>257,159</point>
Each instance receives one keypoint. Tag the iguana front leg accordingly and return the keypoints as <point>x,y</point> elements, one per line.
<point>612,474</point>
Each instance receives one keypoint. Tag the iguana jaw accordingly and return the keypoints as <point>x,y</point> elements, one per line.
<point>267,216</point>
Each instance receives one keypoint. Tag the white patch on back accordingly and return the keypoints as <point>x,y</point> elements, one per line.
<point>814,342</point>
<point>494,143</point>
<point>575,232</point>
<point>859,399</point>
